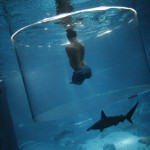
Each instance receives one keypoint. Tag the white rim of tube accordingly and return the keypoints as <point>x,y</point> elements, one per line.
<point>69,14</point>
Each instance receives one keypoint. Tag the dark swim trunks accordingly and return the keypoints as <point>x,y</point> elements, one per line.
<point>81,74</point>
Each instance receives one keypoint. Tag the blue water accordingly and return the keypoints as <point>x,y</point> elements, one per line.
<point>48,112</point>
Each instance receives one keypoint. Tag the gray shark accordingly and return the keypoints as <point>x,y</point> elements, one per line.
<point>145,140</point>
<point>106,122</point>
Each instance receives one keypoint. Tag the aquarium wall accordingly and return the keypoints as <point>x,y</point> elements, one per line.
<point>7,134</point>
<point>49,113</point>
<point>143,11</point>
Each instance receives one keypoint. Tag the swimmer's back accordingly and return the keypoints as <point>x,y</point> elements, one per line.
<point>75,52</point>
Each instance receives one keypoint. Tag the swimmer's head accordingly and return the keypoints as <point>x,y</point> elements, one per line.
<point>71,33</point>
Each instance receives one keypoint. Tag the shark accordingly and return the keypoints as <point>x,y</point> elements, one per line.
<point>106,121</point>
<point>145,140</point>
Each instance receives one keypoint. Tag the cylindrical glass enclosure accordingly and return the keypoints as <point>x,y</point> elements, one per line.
<point>113,49</point>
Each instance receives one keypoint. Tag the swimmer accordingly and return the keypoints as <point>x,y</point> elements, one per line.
<point>75,51</point>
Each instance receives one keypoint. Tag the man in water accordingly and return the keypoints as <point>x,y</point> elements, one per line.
<point>75,51</point>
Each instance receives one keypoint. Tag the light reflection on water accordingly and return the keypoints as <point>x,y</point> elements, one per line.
<point>88,22</point>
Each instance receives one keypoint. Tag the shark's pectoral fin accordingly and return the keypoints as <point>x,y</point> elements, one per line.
<point>115,124</point>
<point>101,130</point>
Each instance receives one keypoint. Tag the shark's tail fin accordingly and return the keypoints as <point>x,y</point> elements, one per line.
<point>130,113</point>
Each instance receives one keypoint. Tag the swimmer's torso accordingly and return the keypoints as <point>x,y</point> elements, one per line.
<point>75,52</point>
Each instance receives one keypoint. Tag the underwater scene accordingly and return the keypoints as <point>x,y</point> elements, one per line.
<point>74,75</point>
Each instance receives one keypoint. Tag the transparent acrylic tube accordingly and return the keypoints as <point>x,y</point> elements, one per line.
<point>113,49</point>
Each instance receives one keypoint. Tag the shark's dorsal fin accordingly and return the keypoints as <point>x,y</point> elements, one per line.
<point>103,115</point>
